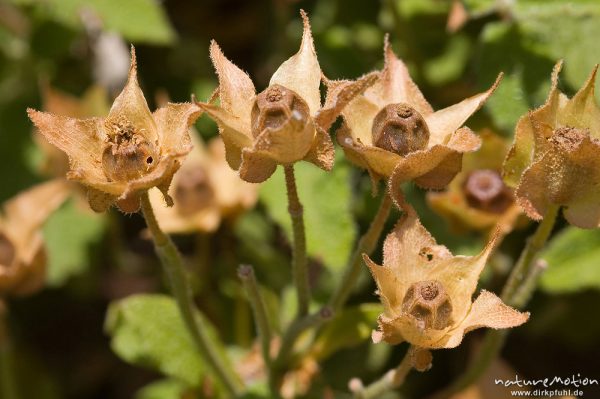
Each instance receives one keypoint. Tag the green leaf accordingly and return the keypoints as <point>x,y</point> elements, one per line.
<point>135,20</point>
<point>567,30</point>
<point>70,233</point>
<point>326,198</point>
<point>147,330</point>
<point>349,328</point>
<point>573,258</point>
<point>162,389</point>
<point>526,65</point>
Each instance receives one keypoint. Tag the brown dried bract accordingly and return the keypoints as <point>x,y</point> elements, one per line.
<point>424,146</point>
<point>426,291</point>
<point>129,151</point>
<point>22,252</point>
<point>554,159</point>
<point>281,125</point>
<point>206,191</point>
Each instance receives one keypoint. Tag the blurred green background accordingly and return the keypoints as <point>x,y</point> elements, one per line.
<point>64,351</point>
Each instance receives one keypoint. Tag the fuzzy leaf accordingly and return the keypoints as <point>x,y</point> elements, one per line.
<point>147,330</point>
<point>573,257</point>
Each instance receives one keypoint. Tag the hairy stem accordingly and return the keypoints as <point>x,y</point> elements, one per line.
<point>390,380</point>
<point>366,244</point>
<point>299,261</point>
<point>259,310</point>
<point>181,289</point>
<point>516,292</point>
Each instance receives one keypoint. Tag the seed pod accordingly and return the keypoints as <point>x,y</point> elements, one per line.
<point>401,129</point>
<point>128,155</point>
<point>192,190</point>
<point>428,302</point>
<point>485,190</point>
<point>274,107</point>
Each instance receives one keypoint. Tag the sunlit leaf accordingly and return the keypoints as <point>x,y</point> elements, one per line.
<point>573,258</point>
<point>147,330</point>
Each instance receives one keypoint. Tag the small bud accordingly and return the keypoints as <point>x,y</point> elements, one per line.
<point>7,251</point>
<point>428,302</point>
<point>401,129</point>
<point>485,190</point>
<point>275,106</point>
<point>128,155</point>
<point>193,191</point>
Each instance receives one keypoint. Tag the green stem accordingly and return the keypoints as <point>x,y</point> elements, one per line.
<point>390,380</point>
<point>516,292</point>
<point>366,245</point>
<point>246,274</point>
<point>181,288</point>
<point>299,261</point>
<point>534,244</point>
<point>8,383</point>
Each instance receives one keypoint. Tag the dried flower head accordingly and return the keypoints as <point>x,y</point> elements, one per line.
<point>426,291</point>
<point>283,124</point>
<point>478,199</point>
<point>554,159</point>
<point>22,253</point>
<point>205,191</point>
<point>129,151</point>
<point>392,130</point>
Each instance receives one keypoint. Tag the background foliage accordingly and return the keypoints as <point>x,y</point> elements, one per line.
<point>97,261</point>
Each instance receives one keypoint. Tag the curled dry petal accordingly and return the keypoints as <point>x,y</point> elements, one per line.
<point>412,258</point>
<point>302,73</point>
<point>436,155</point>
<point>129,151</point>
<point>22,253</point>
<point>554,158</point>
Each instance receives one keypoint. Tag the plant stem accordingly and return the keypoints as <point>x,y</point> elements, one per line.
<point>516,292</point>
<point>534,244</point>
<point>366,244</point>
<point>8,384</point>
<point>181,289</point>
<point>246,274</point>
<point>390,380</point>
<point>299,261</point>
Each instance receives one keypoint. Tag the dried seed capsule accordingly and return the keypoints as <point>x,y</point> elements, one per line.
<point>193,191</point>
<point>7,251</point>
<point>401,129</point>
<point>128,155</point>
<point>485,190</point>
<point>428,302</point>
<point>274,106</point>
